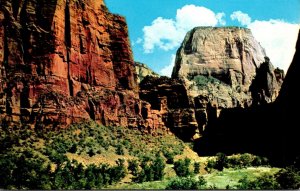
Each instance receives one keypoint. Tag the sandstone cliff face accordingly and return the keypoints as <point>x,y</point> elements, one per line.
<point>143,71</point>
<point>63,61</point>
<point>221,64</point>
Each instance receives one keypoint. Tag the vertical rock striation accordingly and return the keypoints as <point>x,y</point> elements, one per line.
<point>221,63</point>
<point>63,61</point>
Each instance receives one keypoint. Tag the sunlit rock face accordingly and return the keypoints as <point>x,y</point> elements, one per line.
<point>221,63</point>
<point>64,61</point>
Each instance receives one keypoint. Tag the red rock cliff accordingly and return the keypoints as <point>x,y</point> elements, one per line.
<point>62,61</point>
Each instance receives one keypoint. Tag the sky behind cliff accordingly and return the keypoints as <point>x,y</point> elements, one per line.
<point>157,27</point>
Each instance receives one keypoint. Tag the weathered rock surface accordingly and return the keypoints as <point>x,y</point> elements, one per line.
<point>142,70</point>
<point>221,64</point>
<point>169,97</point>
<point>64,61</point>
<point>270,129</point>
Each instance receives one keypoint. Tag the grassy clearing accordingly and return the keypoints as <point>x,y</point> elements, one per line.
<point>231,176</point>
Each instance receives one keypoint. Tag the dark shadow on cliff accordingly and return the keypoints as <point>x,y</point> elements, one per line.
<point>270,130</point>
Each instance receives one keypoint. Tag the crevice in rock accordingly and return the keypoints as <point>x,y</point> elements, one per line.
<point>92,110</point>
<point>68,45</point>
<point>15,8</point>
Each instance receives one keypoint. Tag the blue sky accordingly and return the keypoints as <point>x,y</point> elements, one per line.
<point>157,27</point>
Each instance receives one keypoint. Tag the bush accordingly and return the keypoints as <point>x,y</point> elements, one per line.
<point>120,150</point>
<point>158,167</point>
<point>181,167</point>
<point>221,161</point>
<point>196,167</point>
<point>133,166</point>
<point>265,182</point>
<point>169,156</point>
<point>288,178</point>
<point>186,183</point>
<point>210,165</point>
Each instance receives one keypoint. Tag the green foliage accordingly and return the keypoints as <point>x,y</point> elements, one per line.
<point>237,162</point>
<point>133,166</point>
<point>181,167</point>
<point>196,167</point>
<point>221,161</point>
<point>158,167</point>
<point>169,156</point>
<point>186,183</point>
<point>288,178</point>
<point>151,170</point>
<point>120,150</point>
<point>264,182</point>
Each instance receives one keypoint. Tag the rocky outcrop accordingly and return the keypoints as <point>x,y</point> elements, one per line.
<point>270,129</point>
<point>142,70</point>
<point>221,63</point>
<point>64,61</point>
<point>169,97</point>
<point>215,69</point>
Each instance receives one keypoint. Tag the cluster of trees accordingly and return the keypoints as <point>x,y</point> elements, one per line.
<point>27,170</point>
<point>241,161</point>
<point>187,183</point>
<point>147,169</point>
<point>287,178</point>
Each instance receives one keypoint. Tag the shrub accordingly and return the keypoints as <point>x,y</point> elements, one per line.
<point>288,178</point>
<point>196,167</point>
<point>169,156</point>
<point>186,183</point>
<point>210,165</point>
<point>133,166</point>
<point>120,150</point>
<point>221,161</point>
<point>265,182</point>
<point>181,167</point>
<point>158,167</point>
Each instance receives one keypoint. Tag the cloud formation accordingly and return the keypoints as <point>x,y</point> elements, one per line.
<point>276,36</point>
<point>167,34</point>
<point>167,70</point>
<point>241,17</point>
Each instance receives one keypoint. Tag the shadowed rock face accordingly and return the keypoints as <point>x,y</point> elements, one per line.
<point>63,61</point>
<point>270,130</point>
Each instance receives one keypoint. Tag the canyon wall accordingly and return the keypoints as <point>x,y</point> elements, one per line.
<point>64,61</point>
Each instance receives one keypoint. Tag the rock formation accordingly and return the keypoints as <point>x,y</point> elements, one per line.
<point>215,69</point>
<point>142,70</point>
<point>221,63</point>
<point>169,97</point>
<point>64,61</point>
<point>270,130</point>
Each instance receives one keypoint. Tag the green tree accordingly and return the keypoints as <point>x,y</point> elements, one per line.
<point>186,183</point>
<point>196,167</point>
<point>158,167</point>
<point>133,166</point>
<point>221,161</point>
<point>181,167</point>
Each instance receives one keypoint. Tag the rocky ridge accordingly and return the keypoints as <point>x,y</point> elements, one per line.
<point>142,71</point>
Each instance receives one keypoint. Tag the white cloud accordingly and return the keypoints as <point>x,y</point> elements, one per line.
<point>241,17</point>
<point>167,34</point>
<point>278,38</point>
<point>167,70</point>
